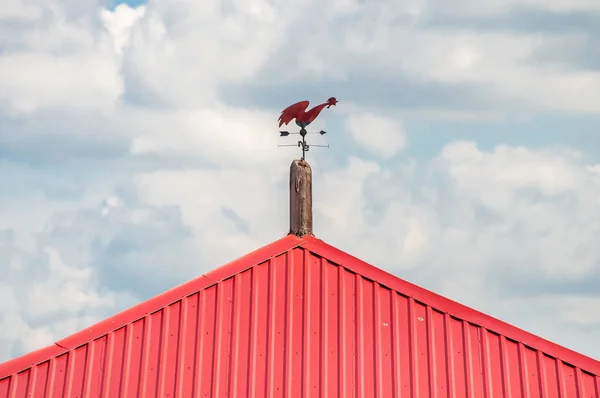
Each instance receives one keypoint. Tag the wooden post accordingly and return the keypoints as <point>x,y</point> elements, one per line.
<point>301,218</point>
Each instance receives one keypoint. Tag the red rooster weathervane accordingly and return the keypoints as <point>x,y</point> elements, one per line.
<point>303,118</point>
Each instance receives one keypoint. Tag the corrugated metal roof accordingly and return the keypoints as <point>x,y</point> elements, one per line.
<point>299,318</point>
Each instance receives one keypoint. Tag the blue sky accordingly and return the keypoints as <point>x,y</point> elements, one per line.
<point>131,3</point>
<point>138,149</point>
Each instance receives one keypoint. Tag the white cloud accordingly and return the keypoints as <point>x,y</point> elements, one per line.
<point>20,10</point>
<point>382,136</point>
<point>119,23</point>
<point>495,178</point>
<point>471,7</point>
<point>46,298</point>
<point>32,81</point>
<point>181,51</point>
<point>202,195</point>
<point>62,58</point>
<point>222,135</point>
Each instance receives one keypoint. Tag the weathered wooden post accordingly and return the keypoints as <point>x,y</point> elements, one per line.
<point>301,217</point>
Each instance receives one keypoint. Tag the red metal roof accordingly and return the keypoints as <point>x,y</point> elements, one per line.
<point>299,318</point>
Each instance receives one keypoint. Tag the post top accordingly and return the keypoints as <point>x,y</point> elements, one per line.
<point>300,162</point>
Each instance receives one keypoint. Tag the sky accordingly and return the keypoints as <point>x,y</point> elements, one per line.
<point>139,149</point>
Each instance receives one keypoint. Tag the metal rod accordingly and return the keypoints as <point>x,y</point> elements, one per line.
<point>302,143</point>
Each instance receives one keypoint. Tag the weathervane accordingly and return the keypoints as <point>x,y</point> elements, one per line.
<point>303,119</point>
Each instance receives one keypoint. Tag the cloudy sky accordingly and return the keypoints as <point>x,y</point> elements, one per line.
<point>138,149</point>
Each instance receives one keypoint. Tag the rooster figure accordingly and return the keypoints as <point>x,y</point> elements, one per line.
<point>303,117</point>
